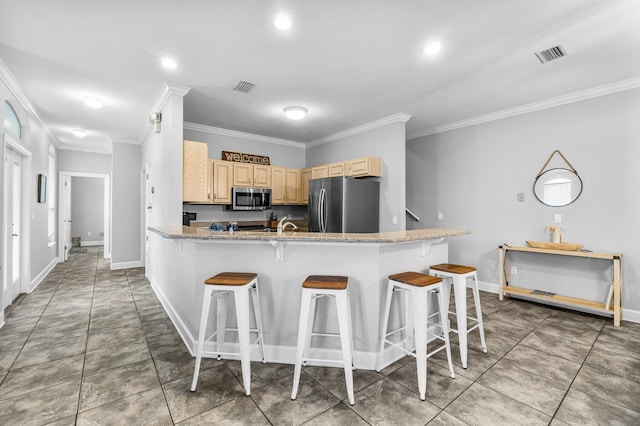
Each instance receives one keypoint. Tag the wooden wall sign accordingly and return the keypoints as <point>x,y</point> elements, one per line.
<point>239,157</point>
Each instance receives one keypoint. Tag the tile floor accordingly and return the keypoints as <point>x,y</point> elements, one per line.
<point>94,346</point>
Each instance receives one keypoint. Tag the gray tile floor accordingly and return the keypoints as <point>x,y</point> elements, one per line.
<point>94,346</point>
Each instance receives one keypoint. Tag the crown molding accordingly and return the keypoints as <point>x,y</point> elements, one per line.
<point>92,150</point>
<point>607,89</point>
<point>131,141</point>
<point>242,135</point>
<point>396,118</point>
<point>16,89</point>
<point>166,91</point>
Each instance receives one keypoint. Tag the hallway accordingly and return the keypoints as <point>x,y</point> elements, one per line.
<point>94,346</point>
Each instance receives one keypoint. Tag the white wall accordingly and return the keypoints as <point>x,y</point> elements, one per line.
<point>85,162</point>
<point>386,142</point>
<point>125,206</point>
<point>87,209</point>
<point>473,175</point>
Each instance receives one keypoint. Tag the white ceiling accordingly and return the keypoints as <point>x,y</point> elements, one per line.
<point>350,62</point>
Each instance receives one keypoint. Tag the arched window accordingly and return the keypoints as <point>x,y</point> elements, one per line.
<point>11,121</point>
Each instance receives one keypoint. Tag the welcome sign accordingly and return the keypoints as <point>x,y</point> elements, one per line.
<point>240,157</point>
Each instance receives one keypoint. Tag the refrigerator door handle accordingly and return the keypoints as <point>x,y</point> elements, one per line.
<point>322,213</point>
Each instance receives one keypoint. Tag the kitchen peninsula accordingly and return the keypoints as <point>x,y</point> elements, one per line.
<point>282,262</point>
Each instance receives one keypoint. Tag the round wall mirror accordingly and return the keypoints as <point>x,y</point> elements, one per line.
<point>557,187</point>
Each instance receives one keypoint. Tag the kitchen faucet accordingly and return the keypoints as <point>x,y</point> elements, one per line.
<point>282,227</point>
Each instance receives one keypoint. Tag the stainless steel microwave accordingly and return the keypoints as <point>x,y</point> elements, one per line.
<point>250,199</point>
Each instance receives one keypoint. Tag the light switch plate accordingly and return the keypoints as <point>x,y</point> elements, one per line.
<point>557,218</point>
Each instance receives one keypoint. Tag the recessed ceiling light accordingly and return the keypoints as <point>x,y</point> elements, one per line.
<point>295,112</point>
<point>169,63</point>
<point>79,133</point>
<point>432,48</point>
<point>93,102</point>
<point>282,22</point>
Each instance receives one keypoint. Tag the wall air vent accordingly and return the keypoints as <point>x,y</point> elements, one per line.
<point>555,52</point>
<point>244,87</point>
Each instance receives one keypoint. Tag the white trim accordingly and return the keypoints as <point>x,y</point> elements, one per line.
<point>127,265</point>
<point>16,89</point>
<point>607,89</point>
<point>400,117</point>
<point>242,135</point>
<point>42,275</point>
<point>101,149</point>
<point>107,208</point>
<point>91,243</point>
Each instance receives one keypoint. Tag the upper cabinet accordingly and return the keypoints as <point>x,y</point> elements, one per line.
<point>336,169</point>
<point>261,176</point>
<point>195,184</point>
<point>366,166</point>
<point>305,178</point>
<point>286,185</point>
<point>221,173</point>
<point>320,172</point>
<point>251,175</point>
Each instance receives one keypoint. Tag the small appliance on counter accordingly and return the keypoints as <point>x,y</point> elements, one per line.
<point>187,218</point>
<point>344,204</point>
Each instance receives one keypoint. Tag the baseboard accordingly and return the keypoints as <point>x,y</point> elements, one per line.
<point>43,274</point>
<point>91,243</point>
<point>127,265</point>
<point>627,314</point>
<point>183,331</point>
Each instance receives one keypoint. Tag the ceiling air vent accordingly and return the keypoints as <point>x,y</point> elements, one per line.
<point>244,87</point>
<point>555,52</point>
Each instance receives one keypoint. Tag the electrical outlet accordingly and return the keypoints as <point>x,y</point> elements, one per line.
<point>521,197</point>
<point>440,216</point>
<point>394,220</point>
<point>514,270</point>
<point>557,218</point>
<point>89,234</point>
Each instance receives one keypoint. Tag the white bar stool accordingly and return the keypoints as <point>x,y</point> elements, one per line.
<point>221,286</point>
<point>417,288</point>
<point>313,288</point>
<point>459,275</point>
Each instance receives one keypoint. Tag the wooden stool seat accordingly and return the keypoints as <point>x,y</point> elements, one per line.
<point>328,282</point>
<point>452,268</point>
<point>231,278</point>
<point>415,279</point>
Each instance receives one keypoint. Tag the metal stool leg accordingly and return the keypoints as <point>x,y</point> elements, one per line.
<point>206,304</point>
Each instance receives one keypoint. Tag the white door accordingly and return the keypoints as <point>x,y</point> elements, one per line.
<point>13,178</point>
<point>148,221</point>
<point>67,216</point>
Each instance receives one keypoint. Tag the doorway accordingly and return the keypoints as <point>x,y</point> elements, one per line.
<point>67,206</point>
<point>13,226</point>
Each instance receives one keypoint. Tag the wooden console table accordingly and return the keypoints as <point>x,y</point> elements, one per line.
<point>505,277</point>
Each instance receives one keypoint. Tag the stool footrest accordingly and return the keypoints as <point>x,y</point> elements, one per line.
<point>322,362</point>
<point>326,334</point>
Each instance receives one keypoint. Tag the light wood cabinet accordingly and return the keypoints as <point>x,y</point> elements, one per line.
<point>278,185</point>
<point>242,174</point>
<point>305,178</point>
<point>293,193</point>
<point>366,166</point>
<point>319,172</point>
<point>195,182</point>
<point>261,176</point>
<point>251,175</point>
<point>286,186</point>
<point>221,181</point>
<point>336,169</point>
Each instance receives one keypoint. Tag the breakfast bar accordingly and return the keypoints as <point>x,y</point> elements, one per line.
<point>188,255</point>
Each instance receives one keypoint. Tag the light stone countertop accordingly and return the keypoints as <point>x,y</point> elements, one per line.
<point>192,233</point>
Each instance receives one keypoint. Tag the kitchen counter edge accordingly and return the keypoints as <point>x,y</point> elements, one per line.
<point>190,233</point>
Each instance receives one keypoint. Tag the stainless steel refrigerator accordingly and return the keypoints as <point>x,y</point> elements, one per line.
<point>344,204</point>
